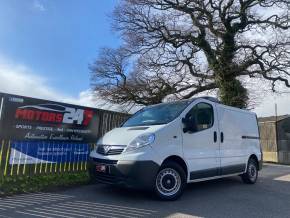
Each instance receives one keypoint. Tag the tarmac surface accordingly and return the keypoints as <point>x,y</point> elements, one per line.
<point>229,197</point>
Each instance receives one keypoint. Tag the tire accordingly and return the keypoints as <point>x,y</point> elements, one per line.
<point>170,181</point>
<point>251,175</point>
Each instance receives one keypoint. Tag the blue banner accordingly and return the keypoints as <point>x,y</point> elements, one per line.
<point>33,152</point>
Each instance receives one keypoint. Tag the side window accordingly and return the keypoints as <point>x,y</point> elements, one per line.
<point>203,116</point>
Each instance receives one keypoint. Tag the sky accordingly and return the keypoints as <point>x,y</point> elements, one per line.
<point>46,47</point>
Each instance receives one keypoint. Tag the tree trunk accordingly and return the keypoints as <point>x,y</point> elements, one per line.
<point>232,92</point>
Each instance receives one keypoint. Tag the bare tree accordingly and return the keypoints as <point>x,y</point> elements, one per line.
<point>185,47</point>
<point>117,80</point>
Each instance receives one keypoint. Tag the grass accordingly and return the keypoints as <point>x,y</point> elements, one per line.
<point>24,184</point>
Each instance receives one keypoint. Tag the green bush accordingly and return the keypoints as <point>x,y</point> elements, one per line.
<point>22,184</point>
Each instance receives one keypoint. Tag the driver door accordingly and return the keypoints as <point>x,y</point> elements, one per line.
<point>201,146</point>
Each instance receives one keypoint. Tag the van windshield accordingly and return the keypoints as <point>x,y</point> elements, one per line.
<point>157,114</point>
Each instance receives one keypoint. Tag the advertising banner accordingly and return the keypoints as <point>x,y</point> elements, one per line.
<point>28,152</point>
<point>33,119</point>
<point>40,131</point>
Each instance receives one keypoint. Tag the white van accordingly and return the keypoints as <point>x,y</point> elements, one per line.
<point>164,146</point>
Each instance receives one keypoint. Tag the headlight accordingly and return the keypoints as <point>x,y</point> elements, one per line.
<point>141,141</point>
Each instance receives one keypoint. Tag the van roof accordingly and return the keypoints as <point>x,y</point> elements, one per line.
<point>209,98</point>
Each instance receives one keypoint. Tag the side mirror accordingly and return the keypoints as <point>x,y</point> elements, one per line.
<point>189,124</point>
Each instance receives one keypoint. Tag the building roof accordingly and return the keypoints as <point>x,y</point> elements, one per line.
<point>273,118</point>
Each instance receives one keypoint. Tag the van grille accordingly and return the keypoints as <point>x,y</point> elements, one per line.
<point>110,149</point>
<point>108,179</point>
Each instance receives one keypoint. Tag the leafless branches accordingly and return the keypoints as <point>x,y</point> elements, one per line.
<point>185,47</point>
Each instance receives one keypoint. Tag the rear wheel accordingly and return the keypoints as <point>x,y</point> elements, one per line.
<point>170,181</point>
<point>251,175</point>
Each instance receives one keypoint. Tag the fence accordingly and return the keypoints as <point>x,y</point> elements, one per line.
<point>21,154</point>
<point>275,138</point>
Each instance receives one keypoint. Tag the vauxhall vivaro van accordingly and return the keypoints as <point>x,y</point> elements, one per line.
<point>164,146</point>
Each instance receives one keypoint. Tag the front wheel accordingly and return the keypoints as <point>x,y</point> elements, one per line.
<point>170,181</point>
<point>251,175</point>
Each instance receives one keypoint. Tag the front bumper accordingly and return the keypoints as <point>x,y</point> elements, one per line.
<point>133,174</point>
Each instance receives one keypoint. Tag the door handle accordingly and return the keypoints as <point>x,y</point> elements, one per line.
<point>215,137</point>
<point>222,137</point>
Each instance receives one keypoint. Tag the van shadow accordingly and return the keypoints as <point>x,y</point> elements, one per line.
<point>192,189</point>
<point>196,194</point>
